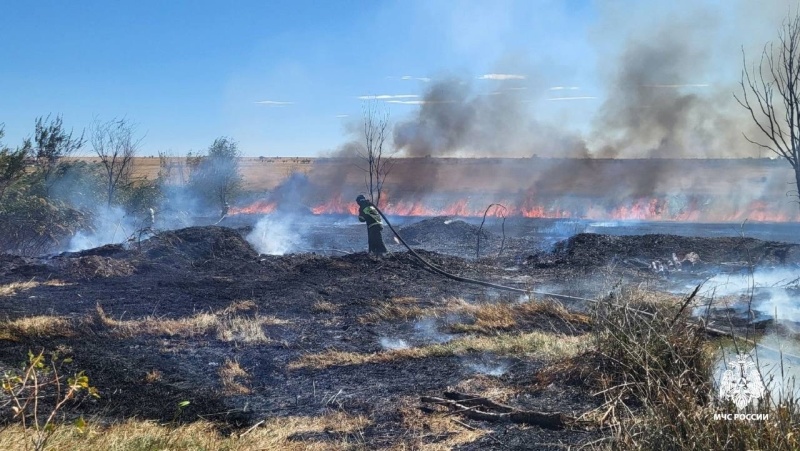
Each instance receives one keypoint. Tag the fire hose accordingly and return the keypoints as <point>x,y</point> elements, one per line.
<point>701,324</point>
<point>442,272</point>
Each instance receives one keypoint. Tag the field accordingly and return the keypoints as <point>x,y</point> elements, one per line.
<point>193,340</point>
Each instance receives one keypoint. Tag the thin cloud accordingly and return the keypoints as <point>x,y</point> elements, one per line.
<point>273,103</point>
<point>342,115</point>
<point>686,85</point>
<point>573,98</point>
<point>409,77</point>
<point>501,77</point>
<point>564,88</point>
<point>389,97</point>
<point>418,102</point>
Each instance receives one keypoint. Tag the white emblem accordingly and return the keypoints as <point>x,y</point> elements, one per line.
<point>741,382</point>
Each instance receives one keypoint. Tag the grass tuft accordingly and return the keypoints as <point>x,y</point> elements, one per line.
<point>656,374</point>
<point>537,344</point>
<point>36,326</point>
<point>10,289</point>
<point>233,377</point>
<point>226,325</point>
<point>328,431</point>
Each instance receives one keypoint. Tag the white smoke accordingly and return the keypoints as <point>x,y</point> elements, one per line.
<point>774,291</point>
<point>489,369</point>
<point>427,331</point>
<point>393,343</point>
<point>274,236</point>
<point>111,226</point>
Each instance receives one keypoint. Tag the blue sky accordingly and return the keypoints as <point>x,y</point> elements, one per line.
<point>284,77</point>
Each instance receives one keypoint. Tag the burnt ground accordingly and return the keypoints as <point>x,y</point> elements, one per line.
<point>318,303</point>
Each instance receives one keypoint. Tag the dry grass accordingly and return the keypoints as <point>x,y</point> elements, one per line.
<point>324,307</point>
<point>36,326</point>
<point>432,431</point>
<point>484,318</point>
<point>663,365</point>
<point>233,378</point>
<point>396,309</point>
<point>226,325</point>
<point>536,344</point>
<point>153,376</point>
<point>488,318</point>
<point>10,289</point>
<point>489,387</point>
<point>56,283</point>
<point>331,431</point>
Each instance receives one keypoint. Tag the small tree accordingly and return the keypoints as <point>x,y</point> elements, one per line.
<point>52,143</point>
<point>114,142</point>
<point>377,161</point>
<point>771,94</point>
<point>12,164</point>
<point>216,176</point>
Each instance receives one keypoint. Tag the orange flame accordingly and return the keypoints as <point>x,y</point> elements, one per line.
<point>261,207</point>
<point>645,209</point>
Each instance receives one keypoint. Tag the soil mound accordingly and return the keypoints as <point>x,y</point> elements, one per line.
<point>442,229</point>
<point>589,249</point>
<point>199,243</point>
<point>92,266</point>
<point>16,266</point>
<point>108,250</point>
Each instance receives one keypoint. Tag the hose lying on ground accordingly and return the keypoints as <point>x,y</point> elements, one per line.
<point>434,268</point>
<point>442,272</point>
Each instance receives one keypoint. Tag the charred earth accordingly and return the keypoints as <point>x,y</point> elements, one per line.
<point>198,315</point>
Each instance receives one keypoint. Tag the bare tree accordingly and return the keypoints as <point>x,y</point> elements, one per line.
<point>53,143</point>
<point>771,94</point>
<point>114,142</point>
<point>378,160</point>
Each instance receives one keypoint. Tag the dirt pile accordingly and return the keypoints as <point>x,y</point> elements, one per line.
<point>198,243</point>
<point>589,249</point>
<point>92,266</point>
<point>18,266</point>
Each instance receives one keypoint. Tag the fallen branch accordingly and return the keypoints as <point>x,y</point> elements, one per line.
<point>468,405</point>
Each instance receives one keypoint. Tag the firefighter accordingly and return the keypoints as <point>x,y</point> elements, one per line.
<point>369,214</point>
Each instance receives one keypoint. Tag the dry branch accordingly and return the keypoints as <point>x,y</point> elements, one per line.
<point>468,406</point>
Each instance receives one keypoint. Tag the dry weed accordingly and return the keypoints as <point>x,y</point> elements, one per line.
<point>223,324</point>
<point>324,307</point>
<point>339,431</point>
<point>10,289</point>
<point>36,326</point>
<point>233,376</point>
<point>537,344</point>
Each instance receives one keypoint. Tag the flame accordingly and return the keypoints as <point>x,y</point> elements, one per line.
<point>261,207</point>
<point>644,209</point>
<point>336,206</point>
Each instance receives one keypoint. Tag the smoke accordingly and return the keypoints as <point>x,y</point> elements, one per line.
<point>454,120</point>
<point>110,226</point>
<point>667,74</point>
<point>427,331</point>
<point>665,97</point>
<point>274,236</point>
<point>488,368</point>
<point>774,292</point>
<point>393,343</point>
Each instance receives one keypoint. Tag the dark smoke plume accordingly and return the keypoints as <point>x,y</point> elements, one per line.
<point>659,102</point>
<point>455,121</point>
